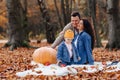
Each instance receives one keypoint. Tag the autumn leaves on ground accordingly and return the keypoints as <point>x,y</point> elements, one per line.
<point>18,60</point>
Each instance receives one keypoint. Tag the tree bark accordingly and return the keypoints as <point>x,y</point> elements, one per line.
<point>102,21</point>
<point>63,12</point>
<point>16,24</point>
<point>59,17</point>
<point>70,7</point>
<point>113,16</point>
<point>67,10</point>
<point>25,19</point>
<point>92,13</point>
<point>49,28</point>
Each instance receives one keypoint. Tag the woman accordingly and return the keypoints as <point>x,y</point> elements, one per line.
<point>84,42</point>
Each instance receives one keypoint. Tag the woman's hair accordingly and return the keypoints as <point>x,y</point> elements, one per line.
<point>88,28</point>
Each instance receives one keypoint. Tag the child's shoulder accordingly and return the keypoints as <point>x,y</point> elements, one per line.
<point>62,43</point>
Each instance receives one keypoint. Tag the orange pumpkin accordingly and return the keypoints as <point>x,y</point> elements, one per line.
<point>45,55</point>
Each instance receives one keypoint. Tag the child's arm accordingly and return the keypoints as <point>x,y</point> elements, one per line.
<point>59,53</point>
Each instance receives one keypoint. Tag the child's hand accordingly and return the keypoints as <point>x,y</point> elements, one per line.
<point>79,58</point>
<point>58,62</point>
<point>62,65</point>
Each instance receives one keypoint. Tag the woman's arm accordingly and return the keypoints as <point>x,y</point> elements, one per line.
<point>87,43</point>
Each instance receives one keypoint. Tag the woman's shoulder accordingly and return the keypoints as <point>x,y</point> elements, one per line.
<point>84,34</point>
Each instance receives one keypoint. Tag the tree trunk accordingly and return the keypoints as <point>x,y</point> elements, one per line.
<point>102,21</point>
<point>113,16</point>
<point>63,12</point>
<point>70,7</point>
<point>68,10</point>
<point>25,19</point>
<point>16,32</point>
<point>92,11</point>
<point>49,28</point>
<point>59,18</point>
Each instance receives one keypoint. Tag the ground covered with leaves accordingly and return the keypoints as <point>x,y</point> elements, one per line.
<point>19,60</point>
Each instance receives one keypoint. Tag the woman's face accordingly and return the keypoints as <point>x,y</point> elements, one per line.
<point>80,25</point>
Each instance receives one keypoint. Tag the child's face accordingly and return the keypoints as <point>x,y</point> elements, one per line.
<point>68,40</point>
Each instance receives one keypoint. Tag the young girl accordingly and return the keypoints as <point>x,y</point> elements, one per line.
<point>84,42</point>
<point>67,53</point>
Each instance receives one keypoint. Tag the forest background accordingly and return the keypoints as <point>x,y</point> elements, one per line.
<point>44,19</point>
